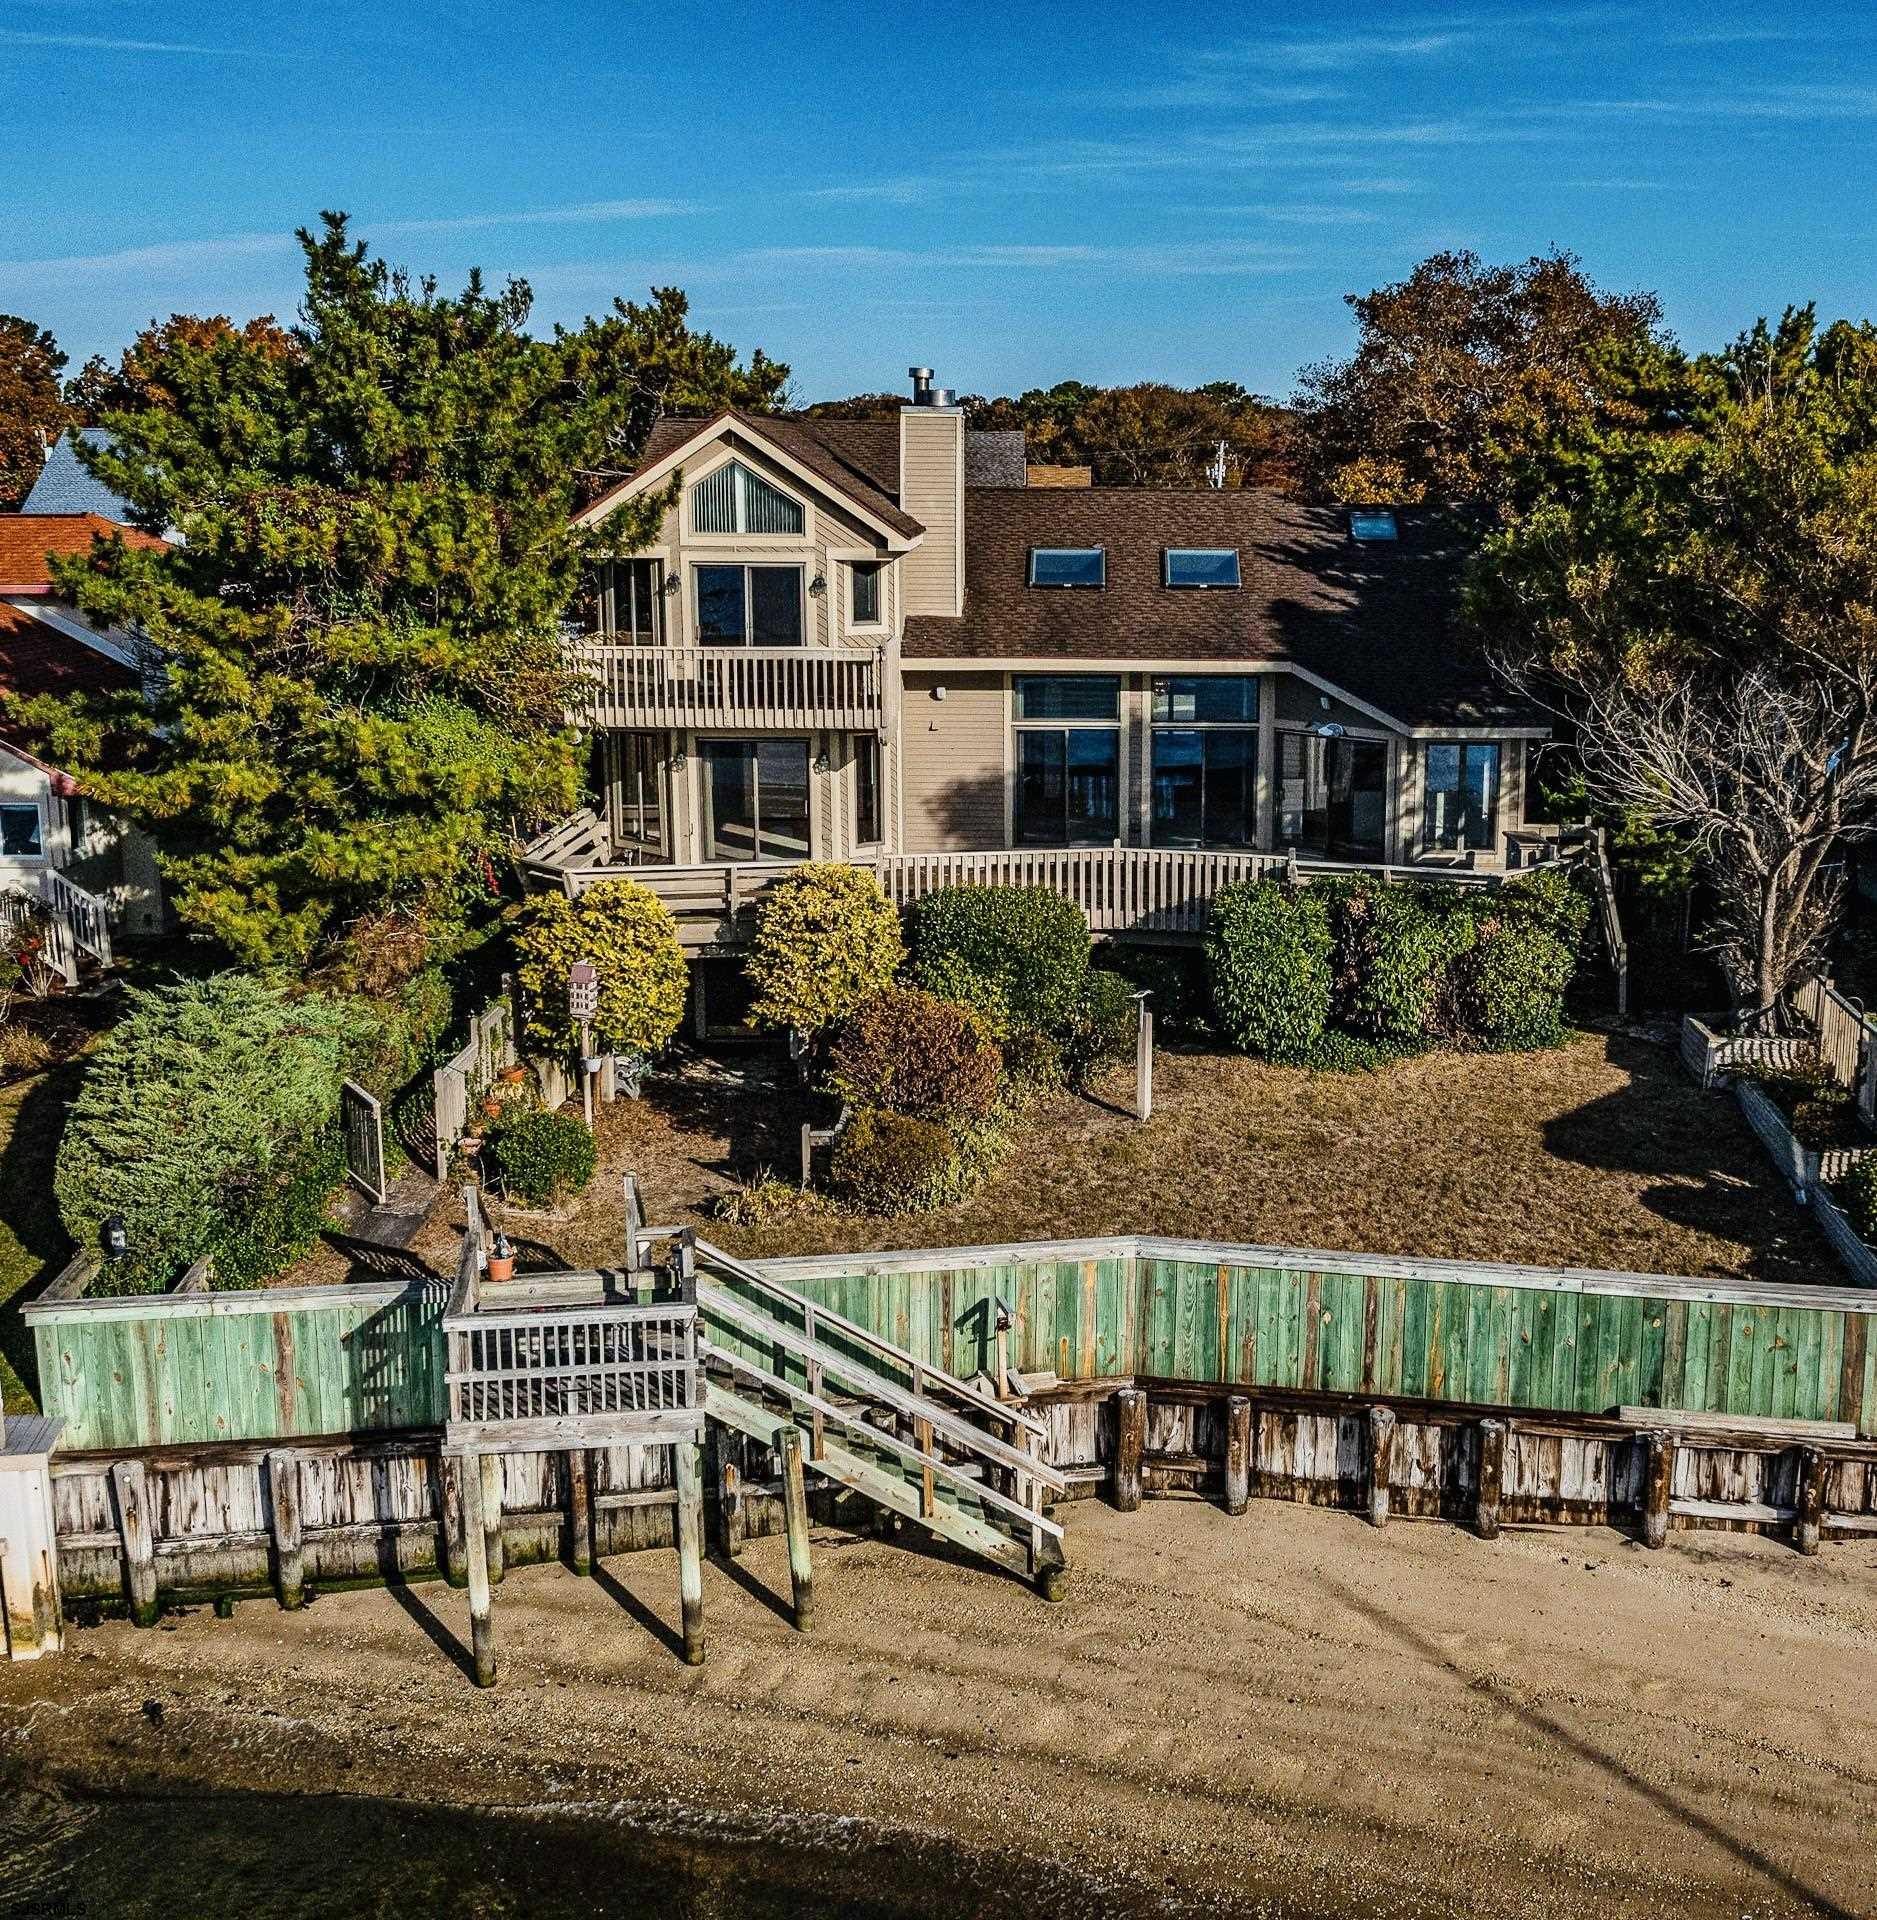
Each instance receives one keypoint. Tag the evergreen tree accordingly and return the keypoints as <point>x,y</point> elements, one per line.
<point>360,693</point>
<point>32,408</point>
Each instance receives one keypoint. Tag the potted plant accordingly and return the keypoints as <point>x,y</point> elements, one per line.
<point>502,1257</point>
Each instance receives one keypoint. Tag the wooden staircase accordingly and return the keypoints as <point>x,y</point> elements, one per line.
<point>910,1438</point>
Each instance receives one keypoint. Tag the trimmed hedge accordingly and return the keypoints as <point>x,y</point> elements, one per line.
<point>891,1162</point>
<point>1395,945</point>
<point>540,1156</point>
<point>1269,952</point>
<point>1022,951</point>
<point>626,931</point>
<point>909,1052</point>
<point>826,938</point>
<point>1105,1027</point>
<point>194,1120</point>
<point>1509,984</point>
<point>281,1219</point>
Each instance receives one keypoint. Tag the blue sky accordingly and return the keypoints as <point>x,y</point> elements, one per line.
<point>1012,193</point>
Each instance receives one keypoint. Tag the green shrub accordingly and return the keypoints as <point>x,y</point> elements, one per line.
<point>1340,1052</point>
<point>1033,1063</point>
<point>1509,984</point>
<point>1554,898</point>
<point>1394,947</point>
<point>280,1218</point>
<point>1268,952</point>
<point>909,1052</point>
<point>765,1201</point>
<point>947,976</point>
<point>203,1094</point>
<point>1027,946</point>
<point>891,1162</point>
<point>1856,1193</point>
<point>1174,977</point>
<point>1104,1029</point>
<point>624,929</point>
<point>825,939</point>
<point>539,1156</point>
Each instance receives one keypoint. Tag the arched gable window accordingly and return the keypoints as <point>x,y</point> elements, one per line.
<point>734,500</point>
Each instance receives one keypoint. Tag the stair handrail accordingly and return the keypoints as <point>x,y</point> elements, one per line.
<point>935,1463</point>
<point>961,1433</point>
<point>947,1384</point>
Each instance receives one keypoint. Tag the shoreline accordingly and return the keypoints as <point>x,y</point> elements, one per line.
<point>1286,1709</point>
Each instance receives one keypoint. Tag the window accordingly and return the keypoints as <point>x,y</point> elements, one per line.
<point>734,500</point>
<point>1068,776</point>
<point>867,792</point>
<point>631,614</point>
<point>756,797</point>
<point>19,833</point>
<point>1068,567</point>
<point>864,599</point>
<point>1201,567</point>
<point>1332,795</point>
<point>749,606</point>
<point>1208,697</point>
<point>1204,789</point>
<point>638,791</point>
<point>1376,523</point>
<point>1068,696</point>
<point>1462,804</point>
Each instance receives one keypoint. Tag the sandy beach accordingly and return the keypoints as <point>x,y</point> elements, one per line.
<point>1285,1711</point>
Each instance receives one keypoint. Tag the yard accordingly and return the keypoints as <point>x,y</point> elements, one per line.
<point>1598,1154</point>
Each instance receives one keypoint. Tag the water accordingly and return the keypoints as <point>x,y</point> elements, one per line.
<point>177,1857</point>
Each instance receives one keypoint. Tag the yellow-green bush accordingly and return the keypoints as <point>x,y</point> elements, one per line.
<point>624,929</point>
<point>826,939</point>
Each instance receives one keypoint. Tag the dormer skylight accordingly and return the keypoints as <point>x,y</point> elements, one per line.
<point>1068,567</point>
<point>1373,523</point>
<point>735,500</point>
<point>1200,567</point>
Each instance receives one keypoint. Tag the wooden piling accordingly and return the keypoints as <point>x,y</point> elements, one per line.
<point>1492,1478</point>
<point>1237,1453</point>
<point>1658,1476</point>
<point>1381,1463</point>
<point>481,1599</point>
<point>732,1518</point>
<point>1130,1443</point>
<point>136,1540</point>
<point>284,1515</point>
<point>795,1518</point>
<point>688,1461</point>
<point>1809,1526</point>
<point>579,1510</point>
<point>454,1559</point>
<point>489,1469</point>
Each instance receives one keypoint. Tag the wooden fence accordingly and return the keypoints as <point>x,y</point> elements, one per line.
<point>463,1079</point>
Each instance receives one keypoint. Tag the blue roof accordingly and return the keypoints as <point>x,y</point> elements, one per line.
<point>64,486</point>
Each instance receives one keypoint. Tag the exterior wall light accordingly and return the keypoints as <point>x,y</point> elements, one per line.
<point>818,585</point>
<point>114,1237</point>
<point>822,763</point>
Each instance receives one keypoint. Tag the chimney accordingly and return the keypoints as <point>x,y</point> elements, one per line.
<point>932,490</point>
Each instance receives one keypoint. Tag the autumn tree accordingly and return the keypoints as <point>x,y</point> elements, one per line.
<point>1466,375</point>
<point>32,405</point>
<point>360,691</point>
<point>1696,594</point>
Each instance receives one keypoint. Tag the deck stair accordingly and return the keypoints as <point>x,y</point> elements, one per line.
<point>912,1439</point>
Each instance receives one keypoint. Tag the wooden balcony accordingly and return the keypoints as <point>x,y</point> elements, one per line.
<point>750,689</point>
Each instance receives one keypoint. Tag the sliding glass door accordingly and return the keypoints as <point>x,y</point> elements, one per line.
<point>1333,796</point>
<point>756,799</point>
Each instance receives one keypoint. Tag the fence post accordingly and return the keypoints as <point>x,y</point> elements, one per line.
<point>1811,1518</point>
<point>284,1514</point>
<point>1130,1442</point>
<point>1658,1475</point>
<point>795,1520</point>
<point>135,1540</point>
<point>1144,1061</point>
<point>1381,1463</point>
<point>1237,1453</point>
<point>1492,1474</point>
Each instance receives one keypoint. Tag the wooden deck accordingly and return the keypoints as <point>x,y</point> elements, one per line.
<point>754,689</point>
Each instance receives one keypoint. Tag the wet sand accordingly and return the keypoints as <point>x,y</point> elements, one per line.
<point>1285,1712</point>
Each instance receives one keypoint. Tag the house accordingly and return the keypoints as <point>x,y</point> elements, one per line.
<point>55,845</point>
<point>872,640</point>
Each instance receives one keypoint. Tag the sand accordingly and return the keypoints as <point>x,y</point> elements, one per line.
<point>1287,1708</point>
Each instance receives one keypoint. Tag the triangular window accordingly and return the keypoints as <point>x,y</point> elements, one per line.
<point>735,500</point>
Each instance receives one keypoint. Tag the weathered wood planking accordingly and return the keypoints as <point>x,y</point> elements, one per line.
<point>288,1363</point>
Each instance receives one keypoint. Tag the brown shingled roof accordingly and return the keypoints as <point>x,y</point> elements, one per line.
<point>27,540</point>
<point>36,658</point>
<point>1378,620</point>
<point>857,458</point>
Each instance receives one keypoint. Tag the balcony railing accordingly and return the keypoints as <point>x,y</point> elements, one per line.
<point>758,688</point>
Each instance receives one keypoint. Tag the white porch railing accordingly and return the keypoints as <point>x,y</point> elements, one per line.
<point>768,688</point>
<point>69,920</point>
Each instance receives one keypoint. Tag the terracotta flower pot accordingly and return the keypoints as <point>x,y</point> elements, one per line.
<point>501,1266</point>
<point>512,1076</point>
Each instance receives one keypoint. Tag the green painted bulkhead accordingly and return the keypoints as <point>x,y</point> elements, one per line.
<point>369,1358</point>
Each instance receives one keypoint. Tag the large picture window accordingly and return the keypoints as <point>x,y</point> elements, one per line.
<point>630,608</point>
<point>735,500</point>
<point>1204,788</point>
<point>749,606</point>
<point>1068,775</point>
<point>756,799</point>
<point>1462,803</point>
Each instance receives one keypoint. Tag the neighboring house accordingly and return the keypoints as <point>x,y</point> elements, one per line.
<point>66,486</point>
<point>46,823</point>
<point>871,640</point>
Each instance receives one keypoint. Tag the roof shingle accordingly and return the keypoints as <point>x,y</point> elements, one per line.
<point>28,540</point>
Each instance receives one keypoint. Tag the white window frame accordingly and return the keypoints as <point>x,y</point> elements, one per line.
<point>745,565</point>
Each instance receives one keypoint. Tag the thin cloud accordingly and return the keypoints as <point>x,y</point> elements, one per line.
<point>1332,53</point>
<point>1213,257</point>
<point>590,212</point>
<point>894,193</point>
<point>106,43</point>
<point>1384,184</point>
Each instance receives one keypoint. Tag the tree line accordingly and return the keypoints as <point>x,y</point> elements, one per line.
<point>359,694</point>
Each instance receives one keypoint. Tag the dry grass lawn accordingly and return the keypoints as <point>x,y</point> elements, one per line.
<point>1598,1155</point>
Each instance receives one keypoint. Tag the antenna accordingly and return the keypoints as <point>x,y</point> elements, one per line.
<point>1215,473</point>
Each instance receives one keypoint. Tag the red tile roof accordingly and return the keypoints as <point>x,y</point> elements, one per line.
<point>27,540</point>
<point>37,658</point>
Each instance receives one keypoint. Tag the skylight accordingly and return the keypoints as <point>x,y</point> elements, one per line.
<point>1201,567</point>
<point>1068,567</point>
<point>1372,523</point>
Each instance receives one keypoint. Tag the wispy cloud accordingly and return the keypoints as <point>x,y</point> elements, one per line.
<point>109,43</point>
<point>1211,257</point>
<point>890,193</point>
<point>1800,102</point>
<point>1333,53</point>
<point>587,213</point>
<point>1388,183</point>
<point>1290,214</point>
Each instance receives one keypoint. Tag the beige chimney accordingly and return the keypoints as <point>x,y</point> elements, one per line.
<point>932,490</point>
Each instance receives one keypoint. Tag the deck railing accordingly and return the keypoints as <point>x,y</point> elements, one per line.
<point>753,687</point>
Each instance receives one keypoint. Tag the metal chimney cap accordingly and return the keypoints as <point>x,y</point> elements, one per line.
<point>921,374</point>
<point>940,397</point>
